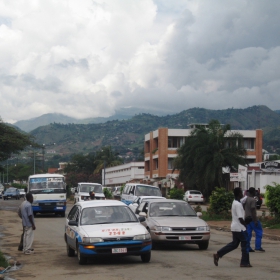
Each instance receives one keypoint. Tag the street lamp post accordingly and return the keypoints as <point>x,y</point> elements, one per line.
<point>104,172</point>
<point>7,172</point>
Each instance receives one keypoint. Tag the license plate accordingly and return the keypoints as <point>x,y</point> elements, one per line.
<point>185,238</point>
<point>59,207</point>
<point>119,250</point>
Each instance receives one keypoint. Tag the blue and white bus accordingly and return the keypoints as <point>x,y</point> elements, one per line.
<point>49,193</point>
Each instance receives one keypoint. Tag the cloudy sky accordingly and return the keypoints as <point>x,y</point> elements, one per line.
<point>88,58</point>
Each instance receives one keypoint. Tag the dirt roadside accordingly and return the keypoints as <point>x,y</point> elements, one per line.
<point>272,234</point>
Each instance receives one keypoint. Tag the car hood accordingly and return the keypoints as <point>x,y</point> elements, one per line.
<point>114,230</point>
<point>174,221</point>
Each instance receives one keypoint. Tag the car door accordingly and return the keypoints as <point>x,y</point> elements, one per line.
<point>71,230</point>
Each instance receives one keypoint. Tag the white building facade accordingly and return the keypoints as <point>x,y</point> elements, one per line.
<point>121,174</point>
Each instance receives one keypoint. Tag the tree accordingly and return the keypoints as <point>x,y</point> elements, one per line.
<point>108,158</point>
<point>201,158</point>
<point>12,141</point>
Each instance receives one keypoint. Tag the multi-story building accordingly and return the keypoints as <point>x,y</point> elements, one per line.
<point>161,148</point>
<point>121,174</point>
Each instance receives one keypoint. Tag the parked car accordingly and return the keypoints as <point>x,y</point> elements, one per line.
<point>133,190</point>
<point>83,189</point>
<point>116,191</point>
<point>194,196</point>
<point>22,193</point>
<point>11,193</point>
<point>174,221</point>
<point>105,228</point>
<point>137,201</point>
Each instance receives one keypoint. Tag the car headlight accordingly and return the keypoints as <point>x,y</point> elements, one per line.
<point>163,228</point>
<point>60,203</point>
<point>142,237</point>
<point>206,228</point>
<point>92,239</point>
<point>35,204</point>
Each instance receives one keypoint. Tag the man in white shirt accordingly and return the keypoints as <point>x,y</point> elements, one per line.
<point>239,233</point>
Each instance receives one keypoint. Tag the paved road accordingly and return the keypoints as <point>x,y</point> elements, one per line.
<point>181,262</point>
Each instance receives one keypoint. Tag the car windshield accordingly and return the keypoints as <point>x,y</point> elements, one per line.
<point>46,185</point>
<point>147,190</point>
<point>107,215</point>
<point>159,209</point>
<point>195,192</point>
<point>11,190</point>
<point>87,188</point>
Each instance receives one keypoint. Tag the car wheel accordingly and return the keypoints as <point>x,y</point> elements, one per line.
<point>203,245</point>
<point>70,251</point>
<point>82,260</point>
<point>146,257</point>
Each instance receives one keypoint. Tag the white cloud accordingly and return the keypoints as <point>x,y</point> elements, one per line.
<point>88,58</point>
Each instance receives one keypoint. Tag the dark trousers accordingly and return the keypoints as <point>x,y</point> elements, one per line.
<point>237,238</point>
<point>20,246</point>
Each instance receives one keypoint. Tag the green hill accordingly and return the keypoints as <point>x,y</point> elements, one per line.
<point>127,136</point>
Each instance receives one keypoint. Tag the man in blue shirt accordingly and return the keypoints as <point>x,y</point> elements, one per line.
<point>28,224</point>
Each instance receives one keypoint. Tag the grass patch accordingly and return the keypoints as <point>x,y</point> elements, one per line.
<point>3,260</point>
<point>210,216</point>
<point>270,222</point>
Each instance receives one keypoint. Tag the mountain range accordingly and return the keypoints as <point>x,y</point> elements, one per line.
<point>126,133</point>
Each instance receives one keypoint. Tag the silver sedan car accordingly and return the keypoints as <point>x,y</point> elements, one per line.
<point>170,220</point>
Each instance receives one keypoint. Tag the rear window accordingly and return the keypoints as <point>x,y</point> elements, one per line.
<point>195,192</point>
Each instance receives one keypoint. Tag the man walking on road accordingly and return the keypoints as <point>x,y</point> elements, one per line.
<point>239,234</point>
<point>28,224</point>
<point>253,222</point>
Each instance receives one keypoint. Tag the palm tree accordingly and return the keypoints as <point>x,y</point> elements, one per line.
<point>205,152</point>
<point>106,157</point>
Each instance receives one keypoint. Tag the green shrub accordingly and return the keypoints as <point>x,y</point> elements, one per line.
<point>220,201</point>
<point>3,260</point>
<point>107,193</point>
<point>121,189</point>
<point>197,208</point>
<point>18,186</point>
<point>176,194</point>
<point>272,199</point>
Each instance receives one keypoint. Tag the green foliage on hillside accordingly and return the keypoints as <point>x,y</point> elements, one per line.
<point>127,136</point>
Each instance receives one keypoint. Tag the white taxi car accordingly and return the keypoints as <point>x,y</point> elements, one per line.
<point>107,228</point>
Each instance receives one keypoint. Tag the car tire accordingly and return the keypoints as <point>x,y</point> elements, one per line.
<point>203,245</point>
<point>70,251</point>
<point>82,260</point>
<point>146,257</point>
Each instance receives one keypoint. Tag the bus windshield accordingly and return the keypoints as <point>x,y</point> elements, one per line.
<point>46,185</point>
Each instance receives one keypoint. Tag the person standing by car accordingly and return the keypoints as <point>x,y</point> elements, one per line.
<point>239,234</point>
<point>28,224</point>
<point>92,195</point>
<point>252,221</point>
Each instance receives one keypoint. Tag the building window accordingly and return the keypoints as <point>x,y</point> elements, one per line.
<point>155,164</point>
<point>147,146</point>
<point>249,143</point>
<point>175,142</point>
<point>147,165</point>
<point>170,163</point>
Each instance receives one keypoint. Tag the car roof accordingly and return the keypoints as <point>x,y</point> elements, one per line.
<point>87,183</point>
<point>46,175</point>
<point>98,203</point>
<point>150,196</point>
<point>129,184</point>
<point>166,200</point>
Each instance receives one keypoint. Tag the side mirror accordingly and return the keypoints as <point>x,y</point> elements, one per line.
<point>141,219</point>
<point>199,214</point>
<point>73,223</point>
<point>143,214</point>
